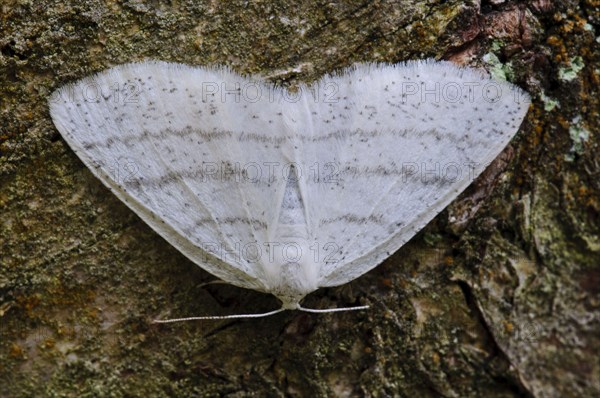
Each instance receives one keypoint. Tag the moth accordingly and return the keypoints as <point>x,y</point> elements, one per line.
<point>287,191</point>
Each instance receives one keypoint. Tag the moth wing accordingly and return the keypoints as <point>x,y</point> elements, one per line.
<point>181,148</point>
<point>395,144</point>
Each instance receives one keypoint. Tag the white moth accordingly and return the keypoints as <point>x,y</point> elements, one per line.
<point>288,191</point>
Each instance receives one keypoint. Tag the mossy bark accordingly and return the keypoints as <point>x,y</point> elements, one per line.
<point>498,297</point>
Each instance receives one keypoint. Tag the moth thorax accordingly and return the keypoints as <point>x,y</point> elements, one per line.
<point>293,271</point>
<point>292,285</point>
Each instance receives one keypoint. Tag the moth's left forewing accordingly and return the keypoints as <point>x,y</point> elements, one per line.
<point>395,147</point>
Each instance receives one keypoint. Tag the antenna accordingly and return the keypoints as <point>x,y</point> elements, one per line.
<point>202,318</point>
<point>261,315</point>
<point>326,310</point>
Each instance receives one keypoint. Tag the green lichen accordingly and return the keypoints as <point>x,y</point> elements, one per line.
<point>579,136</point>
<point>549,103</point>
<point>499,70</point>
<point>570,72</point>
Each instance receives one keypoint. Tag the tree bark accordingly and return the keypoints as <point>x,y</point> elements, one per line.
<point>497,297</point>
